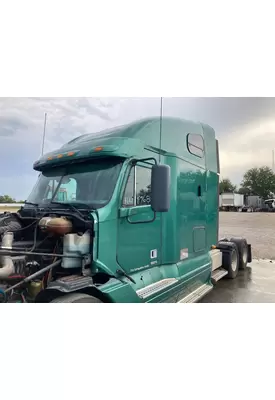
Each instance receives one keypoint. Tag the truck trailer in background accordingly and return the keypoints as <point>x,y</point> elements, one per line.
<point>231,201</point>
<point>253,203</point>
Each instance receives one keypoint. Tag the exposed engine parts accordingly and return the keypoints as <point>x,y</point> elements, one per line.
<point>9,223</point>
<point>33,276</point>
<point>6,263</point>
<point>36,252</point>
<point>58,226</point>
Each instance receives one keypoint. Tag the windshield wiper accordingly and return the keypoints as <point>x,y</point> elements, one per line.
<point>30,203</point>
<point>70,206</point>
<point>87,206</point>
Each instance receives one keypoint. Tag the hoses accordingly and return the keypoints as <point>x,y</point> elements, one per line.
<point>34,276</point>
<point>6,263</point>
<point>7,268</point>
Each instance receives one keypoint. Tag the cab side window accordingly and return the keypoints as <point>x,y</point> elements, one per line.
<point>128,198</point>
<point>138,188</point>
<point>143,186</point>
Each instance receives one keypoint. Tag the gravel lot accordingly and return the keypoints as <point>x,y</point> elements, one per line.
<point>257,228</point>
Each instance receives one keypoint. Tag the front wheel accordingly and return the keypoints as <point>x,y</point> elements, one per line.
<point>76,298</point>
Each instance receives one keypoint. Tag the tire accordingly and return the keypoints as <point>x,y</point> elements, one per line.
<point>76,298</point>
<point>242,245</point>
<point>230,260</point>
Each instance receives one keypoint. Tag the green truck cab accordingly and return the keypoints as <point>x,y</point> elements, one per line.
<point>139,222</point>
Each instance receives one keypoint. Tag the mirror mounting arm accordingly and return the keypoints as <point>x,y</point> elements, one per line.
<point>146,161</point>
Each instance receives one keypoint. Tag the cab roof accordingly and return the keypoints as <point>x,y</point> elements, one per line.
<point>129,140</point>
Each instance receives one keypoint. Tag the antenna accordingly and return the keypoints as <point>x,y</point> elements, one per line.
<point>44,134</point>
<point>273,160</point>
<point>160,128</point>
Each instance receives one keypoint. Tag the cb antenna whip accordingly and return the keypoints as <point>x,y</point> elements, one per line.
<point>44,134</point>
<point>160,128</point>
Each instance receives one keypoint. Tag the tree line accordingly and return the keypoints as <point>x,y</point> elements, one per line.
<point>256,182</point>
<point>8,199</point>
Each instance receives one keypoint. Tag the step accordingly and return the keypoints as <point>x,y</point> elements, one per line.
<point>195,296</point>
<point>218,274</point>
<point>156,287</point>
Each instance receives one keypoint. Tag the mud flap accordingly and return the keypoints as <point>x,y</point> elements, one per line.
<point>249,256</point>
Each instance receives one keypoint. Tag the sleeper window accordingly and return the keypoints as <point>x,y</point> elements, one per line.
<point>195,144</point>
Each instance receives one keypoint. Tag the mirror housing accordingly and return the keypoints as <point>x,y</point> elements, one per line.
<point>160,188</point>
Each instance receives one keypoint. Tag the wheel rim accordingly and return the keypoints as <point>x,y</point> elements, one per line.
<point>245,255</point>
<point>234,262</point>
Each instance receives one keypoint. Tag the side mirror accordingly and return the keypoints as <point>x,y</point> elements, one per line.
<point>160,188</point>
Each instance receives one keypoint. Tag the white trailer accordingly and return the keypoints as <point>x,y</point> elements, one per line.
<point>231,201</point>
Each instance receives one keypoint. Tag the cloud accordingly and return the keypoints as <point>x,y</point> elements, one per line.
<point>249,145</point>
<point>10,126</point>
<point>244,127</point>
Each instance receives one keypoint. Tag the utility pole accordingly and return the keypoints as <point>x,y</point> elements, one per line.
<point>44,134</point>
<point>273,160</point>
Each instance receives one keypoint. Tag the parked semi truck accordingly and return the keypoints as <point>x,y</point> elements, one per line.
<point>231,201</point>
<point>270,204</point>
<point>139,222</point>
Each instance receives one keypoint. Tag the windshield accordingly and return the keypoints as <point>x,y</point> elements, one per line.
<point>87,183</point>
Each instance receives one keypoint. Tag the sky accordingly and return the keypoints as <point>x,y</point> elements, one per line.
<point>245,128</point>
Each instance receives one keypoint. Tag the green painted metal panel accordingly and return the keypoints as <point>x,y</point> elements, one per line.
<point>173,245</point>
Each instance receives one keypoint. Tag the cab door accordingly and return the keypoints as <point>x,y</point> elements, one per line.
<point>139,229</point>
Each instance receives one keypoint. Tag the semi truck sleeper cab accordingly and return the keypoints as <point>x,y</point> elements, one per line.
<point>126,215</point>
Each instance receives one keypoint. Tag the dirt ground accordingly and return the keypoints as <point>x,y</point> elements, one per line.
<point>257,228</point>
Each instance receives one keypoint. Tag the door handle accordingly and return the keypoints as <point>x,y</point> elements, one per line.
<point>130,212</point>
<point>133,211</point>
<point>127,212</point>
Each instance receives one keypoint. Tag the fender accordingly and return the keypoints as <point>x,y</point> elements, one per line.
<point>71,284</point>
<point>120,291</point>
